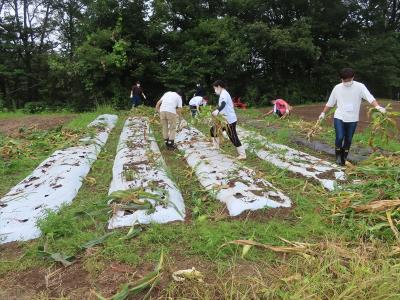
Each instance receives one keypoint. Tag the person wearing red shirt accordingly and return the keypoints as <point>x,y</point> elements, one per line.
<point>281,108</point>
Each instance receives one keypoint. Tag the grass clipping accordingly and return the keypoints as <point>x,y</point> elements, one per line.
<point>148,282</point>
<point>306,250</point>
<point>139,199</point>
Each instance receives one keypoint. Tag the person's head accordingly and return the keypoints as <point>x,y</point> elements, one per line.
<point>138,83</point>
<point>205,100</point>
<point>347,76</point>
<point>218,86</point>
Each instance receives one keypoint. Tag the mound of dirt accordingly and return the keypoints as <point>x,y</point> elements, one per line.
<point>11,126</point>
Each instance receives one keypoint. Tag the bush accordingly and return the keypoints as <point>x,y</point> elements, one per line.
<point>34,107</point>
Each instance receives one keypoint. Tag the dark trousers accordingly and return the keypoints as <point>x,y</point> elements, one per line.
<point>135,100</point>
<point>231,131</point>
<point>193,110</point>
<point>344,133</point>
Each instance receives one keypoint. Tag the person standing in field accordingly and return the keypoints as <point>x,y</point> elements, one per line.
<point>199,90</point>
<point>281,108</point>
<point>195,104</point>
<point>347,96</point>
<point>226,109</point>
<point>136,94</point>
<point>169,107</point>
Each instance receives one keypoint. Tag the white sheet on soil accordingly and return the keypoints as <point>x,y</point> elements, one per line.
<point>55,182</point>
<point>235,185</point>
<point>293,160</point>
<point>139,155</point>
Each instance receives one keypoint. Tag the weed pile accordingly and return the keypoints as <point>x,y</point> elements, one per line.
<point>370,205</point>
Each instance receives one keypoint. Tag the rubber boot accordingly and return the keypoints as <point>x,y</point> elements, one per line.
<point>242,153</point>
<point>339,156</point>
<point>215,143</point>
<point>345,153</point>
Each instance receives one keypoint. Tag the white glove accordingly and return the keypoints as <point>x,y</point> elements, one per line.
<point>215,113</point>
<point>144,97</point>
<point>321,116</point>
<point>381,109</point>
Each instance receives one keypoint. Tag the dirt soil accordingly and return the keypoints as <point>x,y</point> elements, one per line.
<point>311,113</point>
<point>11,127</point>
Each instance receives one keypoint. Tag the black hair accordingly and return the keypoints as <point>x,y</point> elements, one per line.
<point>219,83</point>
<point>346,73</point>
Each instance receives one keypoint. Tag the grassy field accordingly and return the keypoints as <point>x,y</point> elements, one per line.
<point>337,251</point>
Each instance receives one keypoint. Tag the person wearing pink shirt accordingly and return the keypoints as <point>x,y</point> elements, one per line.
<point>281,108</point>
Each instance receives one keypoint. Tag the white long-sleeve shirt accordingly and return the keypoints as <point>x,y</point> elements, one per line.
<point>348,100</point>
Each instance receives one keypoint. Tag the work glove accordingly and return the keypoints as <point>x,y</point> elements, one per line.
<point>381,109</point>
<point>321,116</point>
<point>215,113</point>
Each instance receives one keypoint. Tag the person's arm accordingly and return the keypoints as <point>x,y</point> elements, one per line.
<point>331,103</point>
<point>158,105</point>
<point>218,110</point>
<point>287,108</point>
<point>268,113</point>
<point>371,99</point>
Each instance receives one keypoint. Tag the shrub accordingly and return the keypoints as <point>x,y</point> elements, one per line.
<point>34,107</point>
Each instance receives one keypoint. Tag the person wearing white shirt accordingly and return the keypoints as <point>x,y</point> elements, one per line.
<point>195,104</point>
<point>347,96</point>
<point>226,109</point>
<point>169,107</point>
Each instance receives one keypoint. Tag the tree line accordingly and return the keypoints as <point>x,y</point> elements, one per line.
<point>77,54</point>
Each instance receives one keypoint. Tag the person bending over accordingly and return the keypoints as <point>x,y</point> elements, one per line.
<point>226,109</point>
<point>169,107</point>
<point>281,108</point>
<point>195,104</point>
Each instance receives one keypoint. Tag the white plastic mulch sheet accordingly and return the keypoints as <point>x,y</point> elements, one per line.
<point>235,185</point>
<point>139,165</point>
<point>293,160</point>
<point>55,182</point>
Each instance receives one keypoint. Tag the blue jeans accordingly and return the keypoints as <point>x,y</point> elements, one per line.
<point>344,133</point>
<point>135,100</point>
